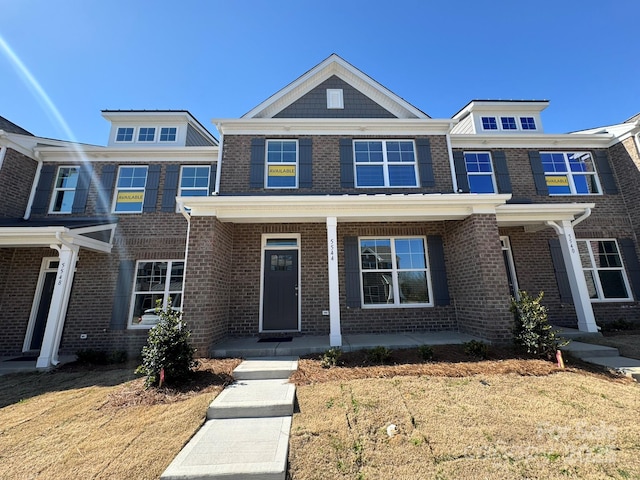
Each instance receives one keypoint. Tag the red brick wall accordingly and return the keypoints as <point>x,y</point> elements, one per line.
<point>16,178</point>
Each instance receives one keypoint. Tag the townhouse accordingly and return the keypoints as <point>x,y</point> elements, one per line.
<point>333,207</point>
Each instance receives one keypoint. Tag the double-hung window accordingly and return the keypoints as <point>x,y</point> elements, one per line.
<point>156,282</point>
<point>194,181</point>
<point>130,186</point>
<point>385,163</point>
<point>603,270</point>
<point>394,272</point>
<point>480,172</point>
<point>64,190</point>
<point>570,173</point>
<point>282,164</point>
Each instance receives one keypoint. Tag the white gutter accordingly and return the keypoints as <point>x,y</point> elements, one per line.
<point>186,215</point>
<point>3,152</point>
<point>216,190</point>
<point>452,166</point>
<point>36,180</point>
<point>581,218</point>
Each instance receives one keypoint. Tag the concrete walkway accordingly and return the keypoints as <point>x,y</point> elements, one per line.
<point>246,434</point>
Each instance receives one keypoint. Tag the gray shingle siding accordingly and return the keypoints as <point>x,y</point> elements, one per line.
<point>314,104</point>
<point>195,139</point>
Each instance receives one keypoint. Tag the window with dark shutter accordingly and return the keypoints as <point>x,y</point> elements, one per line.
<point>502,171</point>
<point>170,188</point>
<point>256,175</point>
<point>151,189</point>
<point>425,163</point>
<point>43,190</point>
<point>562,279</point>
<point>440,284</point>
<point>461,172</point>
<point>122,297</point>
<point>346,163</point>
<point>305,155</point>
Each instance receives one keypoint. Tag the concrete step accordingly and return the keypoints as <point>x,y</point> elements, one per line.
<point>582,350</point>
<point>266,368</point>
<point>254,398</point>
<point>235,449</point>
<point>627,366</point>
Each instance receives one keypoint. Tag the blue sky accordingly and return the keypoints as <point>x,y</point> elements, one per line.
<point>219,59</point>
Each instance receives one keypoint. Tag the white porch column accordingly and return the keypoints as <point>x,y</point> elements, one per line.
<point>335,337</point>
<point>577,282</point>
<point>59,301</point>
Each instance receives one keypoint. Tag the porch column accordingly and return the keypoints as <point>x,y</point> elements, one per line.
<point>60,300</point>
<point>335,337</point>
<point>577,282</point>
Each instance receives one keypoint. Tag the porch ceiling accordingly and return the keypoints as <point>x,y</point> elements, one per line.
<point>346,208</point>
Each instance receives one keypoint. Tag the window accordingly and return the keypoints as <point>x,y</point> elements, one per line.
<point>394,272</point>
<point>479,172</point>
<point>508,123</point>
<point>385,163</point>
<point>130,189</point>
<point>155,281</point>
<point>603,270</point>
<point>168,134</point>
<point>282,163</point>
<point>528,123</point>
<point>194,181</point>
<point>147,134</point>
<point>570,173</point>
<point>64,190</point>
<point>489,123</point>
<point>125,134</point>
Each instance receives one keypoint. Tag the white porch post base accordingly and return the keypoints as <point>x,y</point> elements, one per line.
<point>577,282</point>
<point>335,337</point>
<point>59,302</point>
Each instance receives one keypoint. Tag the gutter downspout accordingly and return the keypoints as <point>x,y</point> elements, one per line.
<point>187,217</point>
<point>3,152</point>
<point>581,218</point>
<point>216,191</point>
<point>452,166</point>
<point>36,180</point>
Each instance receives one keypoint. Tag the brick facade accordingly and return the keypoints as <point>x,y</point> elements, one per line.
<point>16,178</point>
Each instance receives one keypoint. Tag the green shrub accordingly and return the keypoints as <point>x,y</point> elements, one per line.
<point>475,348</point>
<point>167,348</point>
<point>379,355</point>
<point>101,357</point>
<point>531,330</point>
<point>426,352</point>
<point>330,357</point>
<point>619,325</point>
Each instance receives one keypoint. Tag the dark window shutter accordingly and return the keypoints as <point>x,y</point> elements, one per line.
<point>605,174</point>
<point>425,163</point>
<point>122,297</point>
<point>352,271</point>
<point>305,155</point>
<point>256,179</point>
<point>151,190</point>
<point>212,177</point>
<point>346,163</point>
<point>461,172</point>
<point>107,178</point>
<point>538,173</point>
<point>170,190</point>
<point>564,289</point>
<point>439,280</point>
<point>82,190</point>
<point>43,190</point>
<point>502,171</point>
<point>631,263</point>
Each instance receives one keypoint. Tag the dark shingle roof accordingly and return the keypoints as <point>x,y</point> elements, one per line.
<point>11,127</point>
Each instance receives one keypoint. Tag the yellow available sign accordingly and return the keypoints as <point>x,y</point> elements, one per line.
<point>282,170</point>
<point>130,197</point>
<point>557,181</point>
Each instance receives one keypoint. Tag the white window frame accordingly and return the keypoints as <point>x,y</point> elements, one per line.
<point>183,189</point>
<point>131,189</point>
<point>166,293</point>
<point>266,163</point>
<point>335,98</point>
<point>569,174</point>
<point>60,190</point>
<point>385,163</point>
<point>175,140</point>
<point>133,135</point>
<point>595,269</point>
<point>394,273</point>
<point>535,124</point>
<point>515,123</point>
<point>482,117</point>
<point>492,174</point>
<point>139,132</point>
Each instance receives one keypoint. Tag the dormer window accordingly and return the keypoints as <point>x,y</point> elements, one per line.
<point>124,134</point>
<point>168,134</point>
<point>508,123</point>
<point>147,134</point>
<point>335,99</point>
<point>489,123</point>
<point>528,123</point>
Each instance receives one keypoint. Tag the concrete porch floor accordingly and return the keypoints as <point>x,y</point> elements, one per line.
<point>306,344</point>
<point>15,365</point>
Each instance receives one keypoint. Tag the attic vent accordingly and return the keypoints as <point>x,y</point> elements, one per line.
<point>335,98</point>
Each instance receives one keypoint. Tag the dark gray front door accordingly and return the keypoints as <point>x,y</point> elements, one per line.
<point>43,311</point>
<point>280,294</point>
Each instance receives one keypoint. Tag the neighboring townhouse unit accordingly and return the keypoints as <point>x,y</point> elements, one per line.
<point>333,207</point>
<point>90,220</point>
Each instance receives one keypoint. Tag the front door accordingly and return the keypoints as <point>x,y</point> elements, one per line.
<point>280,291</point>
<point>42,302</point>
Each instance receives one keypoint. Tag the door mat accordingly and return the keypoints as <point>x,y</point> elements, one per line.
<point>275,339</point>
<point>23,359</point>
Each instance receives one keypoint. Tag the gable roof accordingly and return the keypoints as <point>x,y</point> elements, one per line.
<point>11,127</point>
<point>335,65</point>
